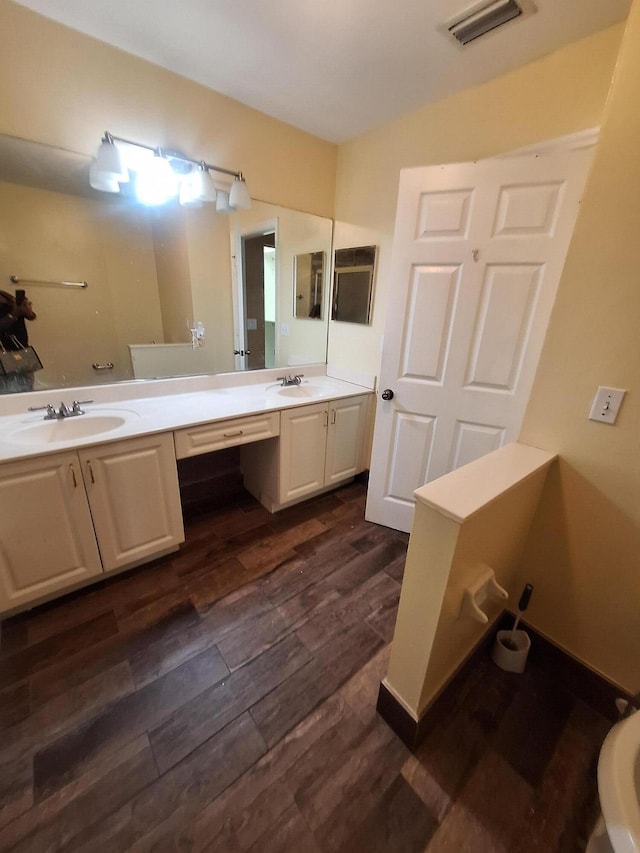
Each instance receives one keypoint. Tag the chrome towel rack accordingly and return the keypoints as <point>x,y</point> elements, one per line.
<point>15,280</point>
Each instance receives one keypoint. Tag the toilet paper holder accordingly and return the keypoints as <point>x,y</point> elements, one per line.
<point>476,594</point>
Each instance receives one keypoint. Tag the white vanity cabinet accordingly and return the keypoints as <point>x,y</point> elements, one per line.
<point>53,507</point>
<point>47,541</point>
<point>320,445</point>
<point>133,492</point>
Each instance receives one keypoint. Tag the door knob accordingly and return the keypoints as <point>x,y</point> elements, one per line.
<point>387,394</point>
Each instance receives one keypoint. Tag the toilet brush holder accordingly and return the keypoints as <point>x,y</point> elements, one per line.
<point>510,650</point>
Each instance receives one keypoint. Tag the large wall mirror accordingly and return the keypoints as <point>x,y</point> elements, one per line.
<point>171,291</point>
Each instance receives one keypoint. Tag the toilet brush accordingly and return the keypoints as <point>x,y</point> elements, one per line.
<point>510,641</point>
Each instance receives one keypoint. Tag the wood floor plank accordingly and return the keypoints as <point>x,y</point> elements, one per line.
<point>54,822</point>
<point>16,785</point>
<point>351,784</point>
<point>69,756</point>
<point>294,577</point>
<point>15,704</point>
<point>532,725</point>
<point>210,711</point>
<point>478,823</point>
<point>234,812</point>
<point>399,821</point>
<point>335,663</point>
<point>252,637</point>
<point>70,709</point>
<point>34,658</point>
<point>216,581</point>
<point>291,832</point>
<point>366,565</point>
<point>270,552</point>
<point>172,801</point>
<point>349,609</point>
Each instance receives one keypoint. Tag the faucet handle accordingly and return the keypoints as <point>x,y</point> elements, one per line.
<point>298,377</point>
<point>75,406</point>
<point>51,412</point>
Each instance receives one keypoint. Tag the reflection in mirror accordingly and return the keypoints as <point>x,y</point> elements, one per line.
<point>153,275</point>
<point>308,285</point>
<point>292,339</point>
<point>353,284</point>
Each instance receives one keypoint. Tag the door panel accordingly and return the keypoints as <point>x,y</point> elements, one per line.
<point>477,257</point>
<point>411,445</point>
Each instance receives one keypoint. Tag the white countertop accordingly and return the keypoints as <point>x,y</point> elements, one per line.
<point>465,491</point>
<point>165,413</point>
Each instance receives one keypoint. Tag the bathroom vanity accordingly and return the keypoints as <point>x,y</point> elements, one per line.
<point>89,496</point>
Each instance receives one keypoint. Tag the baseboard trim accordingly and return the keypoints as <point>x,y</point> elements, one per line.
<point>585,683</point>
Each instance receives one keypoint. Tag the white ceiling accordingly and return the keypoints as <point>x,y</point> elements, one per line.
<point>335,68</point>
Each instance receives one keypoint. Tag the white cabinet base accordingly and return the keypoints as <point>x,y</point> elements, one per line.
<point>321,446</point>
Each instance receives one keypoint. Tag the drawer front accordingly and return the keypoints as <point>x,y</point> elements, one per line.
<point>216,436</point>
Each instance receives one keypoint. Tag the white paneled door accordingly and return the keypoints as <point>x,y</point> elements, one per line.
<point>477,256</point>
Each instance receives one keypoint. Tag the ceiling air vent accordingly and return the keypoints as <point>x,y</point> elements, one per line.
<point>481,19</point>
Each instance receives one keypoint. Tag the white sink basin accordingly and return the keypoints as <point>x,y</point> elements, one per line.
<point>66,429</point>
<point>308,389</point>
<point>619,785</point>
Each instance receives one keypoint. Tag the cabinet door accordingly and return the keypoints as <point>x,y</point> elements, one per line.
<point>134,497</point>
<point>46,535</point>
<point>345,440</point>
<point>303,438</point>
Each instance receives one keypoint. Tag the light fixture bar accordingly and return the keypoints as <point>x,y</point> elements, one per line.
<point>110,137</point>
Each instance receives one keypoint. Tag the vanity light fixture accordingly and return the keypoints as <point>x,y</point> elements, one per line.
<point>161,175</point>
<point>239,194</point>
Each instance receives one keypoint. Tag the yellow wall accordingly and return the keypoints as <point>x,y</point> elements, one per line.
<point>584,551</point>
<point>66,89</point>
<point>48,235</point>
<point>554,96</point>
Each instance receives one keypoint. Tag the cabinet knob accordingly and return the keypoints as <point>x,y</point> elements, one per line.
<point>387,394</point>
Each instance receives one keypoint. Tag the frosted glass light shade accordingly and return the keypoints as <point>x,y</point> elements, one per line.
<point>222,202</point>
<point>189,196</point>
<point>109,162</point>
<point>157,183</point>
<point>203,185</point>
<point>239,195</point>
<point>100,182</point>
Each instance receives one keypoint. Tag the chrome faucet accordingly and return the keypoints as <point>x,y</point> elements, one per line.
<point>290,380</point>
<point>53,414</point>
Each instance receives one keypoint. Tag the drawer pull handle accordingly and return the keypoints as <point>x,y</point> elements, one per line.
<point>233,434</point>
<point>73,476</point>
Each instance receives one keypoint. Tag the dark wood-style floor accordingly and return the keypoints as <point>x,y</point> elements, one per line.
<point>223,699</point>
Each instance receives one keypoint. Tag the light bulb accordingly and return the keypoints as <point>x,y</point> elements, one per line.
<point>157,183</point>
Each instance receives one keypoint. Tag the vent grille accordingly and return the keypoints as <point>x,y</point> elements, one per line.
<point>479,21</point>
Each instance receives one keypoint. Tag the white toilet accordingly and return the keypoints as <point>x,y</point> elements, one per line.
<point>618,829</point>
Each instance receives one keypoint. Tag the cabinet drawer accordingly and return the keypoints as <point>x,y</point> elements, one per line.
<point>216,436</point>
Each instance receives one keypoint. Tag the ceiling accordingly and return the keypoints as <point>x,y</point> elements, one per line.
<point>334,68</point>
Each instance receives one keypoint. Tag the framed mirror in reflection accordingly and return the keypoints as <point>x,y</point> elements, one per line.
<point>167,287</point>
<point>353,276</point>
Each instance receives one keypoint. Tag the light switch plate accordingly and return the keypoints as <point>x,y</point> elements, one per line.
<point>606,404</point>
<point>284,329</point>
